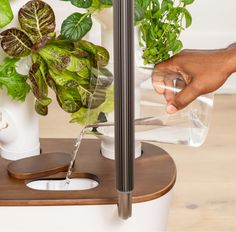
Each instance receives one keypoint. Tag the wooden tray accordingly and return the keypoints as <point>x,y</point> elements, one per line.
<point>155,175</point>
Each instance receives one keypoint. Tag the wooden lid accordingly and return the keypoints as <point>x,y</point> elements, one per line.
<point>39,166</point>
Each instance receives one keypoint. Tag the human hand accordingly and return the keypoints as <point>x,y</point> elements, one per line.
<point>196,72</point>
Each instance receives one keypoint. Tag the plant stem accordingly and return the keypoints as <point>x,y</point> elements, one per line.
<point>89,12</point>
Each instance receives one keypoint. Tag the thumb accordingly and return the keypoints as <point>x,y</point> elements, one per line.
<point>183,98</point>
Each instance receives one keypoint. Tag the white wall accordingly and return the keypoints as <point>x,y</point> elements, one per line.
<point>214,26</point>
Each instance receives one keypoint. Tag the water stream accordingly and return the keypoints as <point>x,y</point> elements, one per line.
<point>74,155</point>
<point>142,121</point>
<point>78,141</point>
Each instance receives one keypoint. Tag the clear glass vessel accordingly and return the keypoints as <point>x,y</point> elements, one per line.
<point>188,126</point>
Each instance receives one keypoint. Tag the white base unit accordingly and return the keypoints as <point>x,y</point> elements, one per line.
<point>150,216</point>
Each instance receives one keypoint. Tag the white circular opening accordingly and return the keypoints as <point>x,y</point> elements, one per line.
<point>61,185</point>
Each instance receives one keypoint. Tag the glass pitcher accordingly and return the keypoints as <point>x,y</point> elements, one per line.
<point>188,126</point>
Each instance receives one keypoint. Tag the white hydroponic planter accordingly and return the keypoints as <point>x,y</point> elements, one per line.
<point>19,126</point>
<point>149,216</point>
<point>20,131</point>
<point>19,136</point>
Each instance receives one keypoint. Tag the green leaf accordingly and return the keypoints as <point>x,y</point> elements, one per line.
<point>55,57</point>
<point>187,2</point>
<point>86,46</point>
<point>68,98</point>
<point>37,76</point>
<point>98,99</point>
<point>173,15</point>
<point>102,78</point>
<point>37,19</point>
<point>99,55</point>
<point>79,65</point>
<point>15,83</point>
<point>76,26</point>
<point>188,18</point>
<point>64,44</point>
<point>90,98</point>
<point>177,46</point>
<point>85,95</point>
<point>16,43</point>
<point>138,12</point>
<point>40,108</point>
<point>82,3</point>
<point>145,3</point>
<point>106,107</point>
<point>64,77</point>
<point>166,5</point>
<point>102,56</point>
<point>106,2</point>
<point>6,14</point>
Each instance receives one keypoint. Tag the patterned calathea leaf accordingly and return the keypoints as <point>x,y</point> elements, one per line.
<point>37,77</point>
<point>37,19</point>
<point>16,43</point>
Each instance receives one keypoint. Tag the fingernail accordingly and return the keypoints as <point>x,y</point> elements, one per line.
<point>170,109</point>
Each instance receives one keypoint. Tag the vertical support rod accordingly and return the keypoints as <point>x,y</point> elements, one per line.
<point>124,102</point>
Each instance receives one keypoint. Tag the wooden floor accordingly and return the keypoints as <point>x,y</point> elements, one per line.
<point>205,193</point>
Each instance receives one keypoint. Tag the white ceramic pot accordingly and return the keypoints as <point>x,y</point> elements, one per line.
<point>19,124</point>
<point>20,136</point>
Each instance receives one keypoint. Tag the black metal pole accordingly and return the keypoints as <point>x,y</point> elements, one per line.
<point>124,102</point>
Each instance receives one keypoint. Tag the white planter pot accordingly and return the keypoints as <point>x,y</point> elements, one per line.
<point>19,133</point>
<point>20,138</point>
<point>107,133</point>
